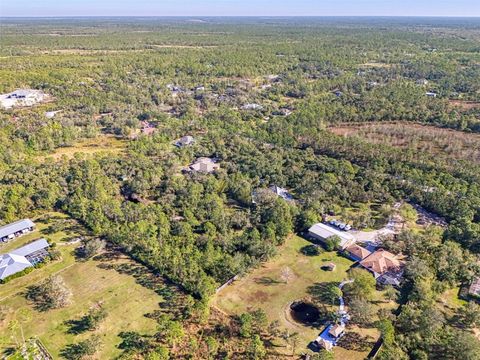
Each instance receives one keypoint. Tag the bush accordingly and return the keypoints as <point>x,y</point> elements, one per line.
<point>82,350</point>
<point>332,243</point>
<point>91,248</point>
<point>310,250</point>
<point>17,275</point>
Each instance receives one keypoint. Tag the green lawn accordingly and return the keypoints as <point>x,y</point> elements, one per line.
<point>125,300</point>
<point>264,288</point>
<point>449,302</point>
<point>101,145</point>
<point>65,228</point>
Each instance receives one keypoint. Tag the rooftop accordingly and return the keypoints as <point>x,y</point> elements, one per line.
<point>184,141</point>
<point>15,227</point>
<point>283,193</point>
<point>11,264</point>
<point>31,248</point>
<point>336,330</point>
<point>324,231</point>
<point>358,252</point>
<point>16,260</point>
<point>474,288</point>
<point>205,165</point>
<point>381,261</point>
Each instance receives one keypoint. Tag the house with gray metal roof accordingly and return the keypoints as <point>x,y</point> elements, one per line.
<point>15,229</point>
<point>23,258</point>
<point>184,141</point>
<point>11,264</point>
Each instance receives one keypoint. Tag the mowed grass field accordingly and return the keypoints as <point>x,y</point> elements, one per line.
<point>102,144</point>
<point>125,300</point>
<point>264,288</point>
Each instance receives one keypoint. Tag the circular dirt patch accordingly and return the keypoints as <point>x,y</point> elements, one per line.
<point>304,312</point>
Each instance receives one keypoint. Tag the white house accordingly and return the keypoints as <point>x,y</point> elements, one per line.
<point>22,258</point>
<point>322,232</point>
<point>252,107</point>
<point>51,114</point>
<point>21,97</point>
<point>283,193</point>
<point>184,141</point>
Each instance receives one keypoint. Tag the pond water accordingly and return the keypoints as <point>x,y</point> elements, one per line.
<point>304,313</point>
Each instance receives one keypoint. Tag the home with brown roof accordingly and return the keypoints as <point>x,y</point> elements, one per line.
<point>337,330</point>
<point>385,266</point>
<point>357,252</point>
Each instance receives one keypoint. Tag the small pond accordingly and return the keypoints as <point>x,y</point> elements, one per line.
<point>304,313</point>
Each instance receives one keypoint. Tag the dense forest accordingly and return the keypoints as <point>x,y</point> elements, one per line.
<point>116,77</point>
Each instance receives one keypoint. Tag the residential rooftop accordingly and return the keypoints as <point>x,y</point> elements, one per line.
<point>381,261</point>
<point>22,258</point>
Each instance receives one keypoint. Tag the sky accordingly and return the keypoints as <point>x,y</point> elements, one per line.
<point>47,8</point>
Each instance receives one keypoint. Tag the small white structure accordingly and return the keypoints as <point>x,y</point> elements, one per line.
<point>283,193</point>
<point>282,112</point>
<point>322,232</point>
<point>252,107</point>
<point>185,141</point>
<point>431,94</point>
<point>273,78</point>
<point>204,165</point>
<point>21,97</point>
<point>51,114</point>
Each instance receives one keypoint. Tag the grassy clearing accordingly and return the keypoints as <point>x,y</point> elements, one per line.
<point>464,104</point>
<point>54,226</point>
<point>449,300</point>
<point>105,144</point>
<point>364,216</point>
<point>265,289</point>
<point>112,281</point>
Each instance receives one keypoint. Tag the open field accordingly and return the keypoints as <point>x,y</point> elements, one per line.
<point>464,105</point>
<point>111,281</point>
<point>424,138</point>
<point>264,288</point>
<point>102,144</point>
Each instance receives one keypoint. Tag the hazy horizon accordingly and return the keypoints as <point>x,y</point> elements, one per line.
<point>246,8</point>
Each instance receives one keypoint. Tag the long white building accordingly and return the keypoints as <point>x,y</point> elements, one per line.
<point>15,229</point>
<point>322,232</point>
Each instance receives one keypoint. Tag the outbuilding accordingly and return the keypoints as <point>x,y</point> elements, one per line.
<point>16,229</point>
<point>322,232</point>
